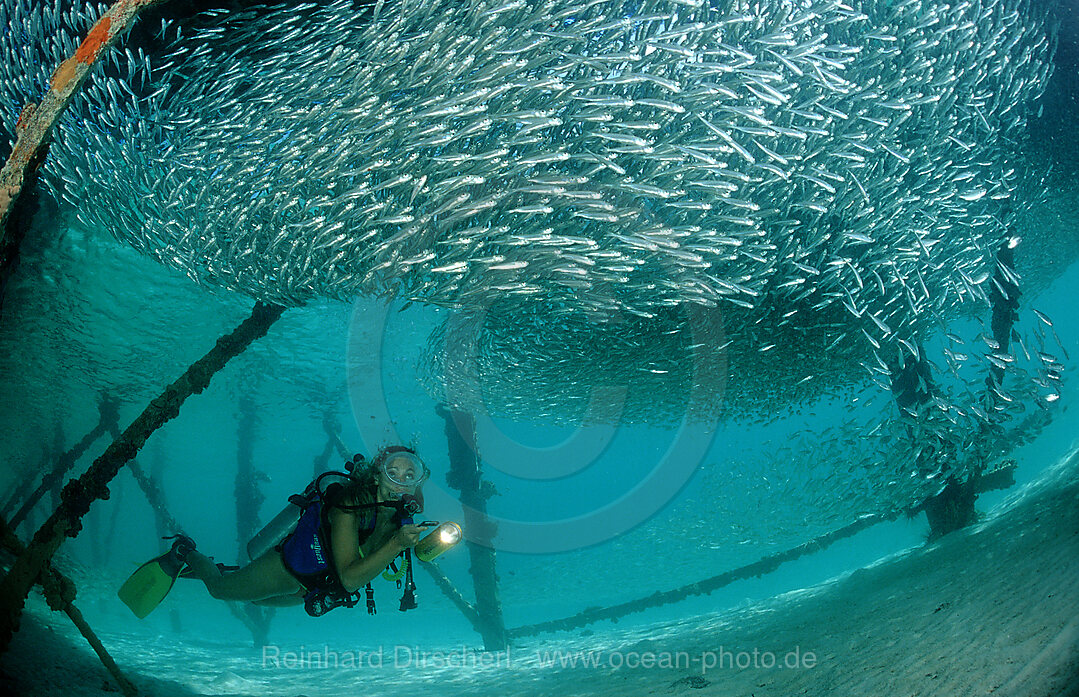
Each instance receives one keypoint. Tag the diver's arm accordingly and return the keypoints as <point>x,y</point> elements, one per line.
<point>356,571</point>
<point>359,572</point>
<point>353,570</point>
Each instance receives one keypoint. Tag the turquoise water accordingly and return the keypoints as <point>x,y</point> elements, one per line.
<point>87,315</point>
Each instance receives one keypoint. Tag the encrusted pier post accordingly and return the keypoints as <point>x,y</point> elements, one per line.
<point>465,476</point>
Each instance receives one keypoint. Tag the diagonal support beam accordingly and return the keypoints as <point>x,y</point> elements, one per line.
<point>79,493</point>
<point>60,593</point>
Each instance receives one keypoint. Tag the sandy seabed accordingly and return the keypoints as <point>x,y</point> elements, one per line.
<point>991,610</point>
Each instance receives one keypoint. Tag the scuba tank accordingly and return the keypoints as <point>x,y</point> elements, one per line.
<point>282,525</point>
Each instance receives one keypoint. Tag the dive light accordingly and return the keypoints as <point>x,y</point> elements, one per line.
<point>438,541</point>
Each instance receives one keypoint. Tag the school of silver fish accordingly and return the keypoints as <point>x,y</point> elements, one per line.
<point>609,193</point>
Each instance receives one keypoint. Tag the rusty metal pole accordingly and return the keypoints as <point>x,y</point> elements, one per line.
<point>36,122</point>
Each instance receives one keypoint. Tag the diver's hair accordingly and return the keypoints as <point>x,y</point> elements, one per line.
<point>363,485</point>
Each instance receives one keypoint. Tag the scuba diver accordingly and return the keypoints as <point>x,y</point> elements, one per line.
<point>330,542</point>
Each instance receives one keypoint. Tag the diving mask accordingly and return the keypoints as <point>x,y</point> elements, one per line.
<point>404,469</point>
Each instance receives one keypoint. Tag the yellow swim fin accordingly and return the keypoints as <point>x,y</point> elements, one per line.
<point>147,587</point>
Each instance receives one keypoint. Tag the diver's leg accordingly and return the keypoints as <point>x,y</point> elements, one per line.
<point>266,577</point>
<point>280,601</point>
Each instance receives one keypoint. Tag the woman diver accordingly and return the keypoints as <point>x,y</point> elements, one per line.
<point>348,532</point>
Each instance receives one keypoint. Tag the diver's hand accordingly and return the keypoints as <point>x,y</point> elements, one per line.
<point>408,535</point>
